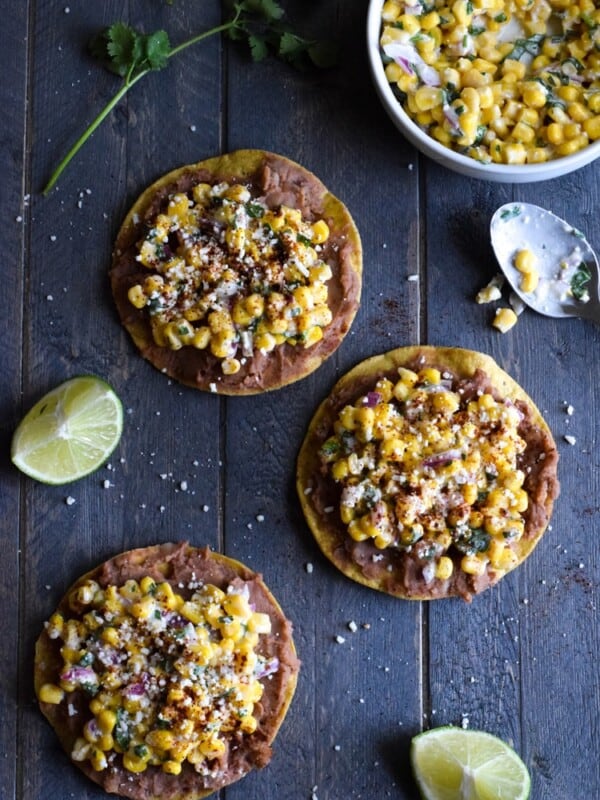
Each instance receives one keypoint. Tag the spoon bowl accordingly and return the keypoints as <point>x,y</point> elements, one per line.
<point>558,276</point>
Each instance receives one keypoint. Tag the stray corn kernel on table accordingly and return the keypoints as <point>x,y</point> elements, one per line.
<point>220,471</point>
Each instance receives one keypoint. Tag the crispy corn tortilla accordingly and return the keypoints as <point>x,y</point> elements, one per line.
<point>281,181</point>
<point>394,573</point>
<point>177,564</point>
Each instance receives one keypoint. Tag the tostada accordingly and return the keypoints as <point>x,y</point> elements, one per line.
<point>166,672</point>
<point>427,473</point>
<point>239,274</point>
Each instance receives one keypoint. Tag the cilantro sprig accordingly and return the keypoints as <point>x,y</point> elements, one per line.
<point>132,54</point>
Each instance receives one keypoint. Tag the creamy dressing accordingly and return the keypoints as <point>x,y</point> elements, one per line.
<point>566,264</point>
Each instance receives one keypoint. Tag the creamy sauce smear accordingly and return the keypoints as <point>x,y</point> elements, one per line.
<point>562,256</point>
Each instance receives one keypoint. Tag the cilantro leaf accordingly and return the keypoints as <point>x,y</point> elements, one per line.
<point>157,47</point>
<point>258,47</point>
<point>132,54</point>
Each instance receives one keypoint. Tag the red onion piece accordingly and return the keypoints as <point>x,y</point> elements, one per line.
<point>441,459</point>
<point>372,399</point>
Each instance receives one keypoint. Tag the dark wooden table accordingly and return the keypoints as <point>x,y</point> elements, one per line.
<point>522,660</point>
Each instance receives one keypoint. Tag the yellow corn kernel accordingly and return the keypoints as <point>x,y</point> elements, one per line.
<point>255,305</point>
<point>472,565</point>
<point>347,514</point>
<point>444,568</point>
<point>538,155</point>
<point>49,693</point>
<point>160,739</point>
<point>340,470</point>
<point>172,767</point>
<point>427,97</point>
<point>106,720</point>
<point>222,344</point>
<point>593,102</point>
<point>259,623</point>
<point>578,112</point>
<point>461,12</point>
<point>555,133</point>
<point>133,763</point>
<point>513,67</point>
<point>166,596</point>
<point>110,636</point>
<point>523,133</point>
<point>201,193</point>
<point>515,153</point>
<point>230,366</point>
<point>390,11</point>
<point>264,342</point>
<point>143,608</point>
<point>55,626</point>
<point>98,760</point>
<point>592,127</point>
<point>320,232</point>
<point>470,493</point>
<point>529,281</point>
<point>409,23</point>
<point>356,532</point>
<point>136,296</point>
<point>572,146</point>
<point>504,319</point>
<point>430,375</point>
<point>313,336</point>
<point>525,260</point>
<point>201,338</point>
<point>446,402</point>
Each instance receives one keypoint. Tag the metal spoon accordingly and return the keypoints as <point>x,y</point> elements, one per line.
<point>568,271</point>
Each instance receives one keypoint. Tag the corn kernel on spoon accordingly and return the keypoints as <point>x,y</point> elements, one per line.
<point>548,262</point>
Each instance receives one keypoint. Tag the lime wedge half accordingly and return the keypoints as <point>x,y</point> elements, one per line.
<point>70,432</point>
<point>451,763</point>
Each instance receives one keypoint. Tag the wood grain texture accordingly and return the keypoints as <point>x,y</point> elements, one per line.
<point>521,660</point>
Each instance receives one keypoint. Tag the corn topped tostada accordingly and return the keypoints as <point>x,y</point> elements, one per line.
<point>239,274</point>
<point>427,473</point>
<point>166,672</point>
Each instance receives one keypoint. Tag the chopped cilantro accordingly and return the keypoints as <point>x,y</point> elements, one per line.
<point>303,240</point>
<point>510,213</point>
<point>579,282</point>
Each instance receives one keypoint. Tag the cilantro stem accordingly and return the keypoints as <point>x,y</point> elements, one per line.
<point>90,130</point>
<point>128,83</point>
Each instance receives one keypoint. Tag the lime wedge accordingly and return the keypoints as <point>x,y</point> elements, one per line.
<point>70,432</point>
<point>451,763</point>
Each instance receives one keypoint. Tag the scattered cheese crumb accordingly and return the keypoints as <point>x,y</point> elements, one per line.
<point>212,387</point>
<point>183,486</point>
<point>106,483</point>
<point>309,568</point>
<point>70,500</point>
<point>413,278</point>
<point>340,639</point>
<point>205,508</point>
<point>569,409</point>
<point>352,626</point>
<point>492,291</point>
<point>328,509</point>
<point>260,517</point>
<point>570,439</point>
<point>464,722</point>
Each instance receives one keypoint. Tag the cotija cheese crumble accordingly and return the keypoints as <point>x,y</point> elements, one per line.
<point>230,274</point>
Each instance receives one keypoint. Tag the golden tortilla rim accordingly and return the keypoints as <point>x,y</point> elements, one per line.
<point>328,530</point>
<point>45,657</point>
<point>241,166</point>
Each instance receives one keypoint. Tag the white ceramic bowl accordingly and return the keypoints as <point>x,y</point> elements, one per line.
<point>500,173</point>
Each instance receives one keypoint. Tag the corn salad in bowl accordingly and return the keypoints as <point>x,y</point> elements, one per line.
<point>505,91</point>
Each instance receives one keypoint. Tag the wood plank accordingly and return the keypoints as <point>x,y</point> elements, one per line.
<point>346,732</point>
<point>515,633</point>
<point>13,37</point>
<point>166,443</point>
